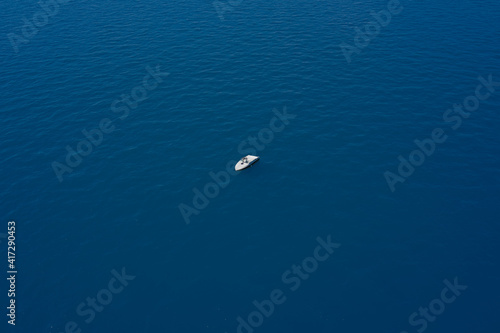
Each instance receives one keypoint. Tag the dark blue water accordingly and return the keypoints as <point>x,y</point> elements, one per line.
<point>118,208</point>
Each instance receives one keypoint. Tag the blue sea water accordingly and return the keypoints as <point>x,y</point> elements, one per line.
<point>321,175</point>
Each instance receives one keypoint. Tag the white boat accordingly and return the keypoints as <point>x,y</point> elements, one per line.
<point>245,162</point>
